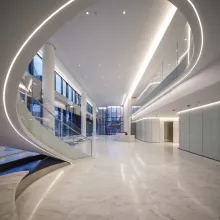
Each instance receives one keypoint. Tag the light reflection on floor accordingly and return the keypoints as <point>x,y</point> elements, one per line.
<point>128,181</point>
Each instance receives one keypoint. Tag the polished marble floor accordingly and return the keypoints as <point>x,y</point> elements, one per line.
<point>127,181</point>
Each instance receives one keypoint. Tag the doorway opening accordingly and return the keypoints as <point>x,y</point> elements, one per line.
<point>168,131</point>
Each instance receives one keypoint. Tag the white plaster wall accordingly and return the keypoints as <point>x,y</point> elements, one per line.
<point>161,131</point>
<point>176,132</point>
<point>155,128</point>
<point>127,116</point>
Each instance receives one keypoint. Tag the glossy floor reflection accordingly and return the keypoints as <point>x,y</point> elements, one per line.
<point>128,181</point>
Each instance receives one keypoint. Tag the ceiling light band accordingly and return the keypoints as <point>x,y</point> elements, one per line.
<point>158,118</point>
<point>153,48</point>
<point>199,107</point>
<point>12,65</point>
<point>190,71</point>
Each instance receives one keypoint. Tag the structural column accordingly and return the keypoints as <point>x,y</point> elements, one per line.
<point>94,120</point>
<point>48,84</point>
<point>127,116</point>
<point>83,112</point>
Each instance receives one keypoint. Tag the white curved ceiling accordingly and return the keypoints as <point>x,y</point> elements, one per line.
<point>166,54</point>
<point>104,49</point>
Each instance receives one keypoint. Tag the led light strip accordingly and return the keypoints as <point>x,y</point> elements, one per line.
<point>190,71</point>
<point>153,47</point>
<point>123,100</point>
<point>159,118</point>
<point>12,65</point>
<point>199,107</point>
<point>184,54</point>
<point>151,84</point>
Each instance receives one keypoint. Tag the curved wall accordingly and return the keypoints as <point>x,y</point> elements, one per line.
<point>206,33</point>
<point>27,15</point>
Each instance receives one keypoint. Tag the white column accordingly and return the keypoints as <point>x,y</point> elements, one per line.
<point>176,132</point>
<point>127,116</point>
<point>48,83</point>
<point>83,113</point>
<point>94,120</point>
<point>161,131</point>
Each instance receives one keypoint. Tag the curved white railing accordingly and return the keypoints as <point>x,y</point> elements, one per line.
<point>68,148</point>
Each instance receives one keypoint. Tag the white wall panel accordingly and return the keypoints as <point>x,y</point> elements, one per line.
<point>195,134</point>
<point>155,127</point>
<point>184,132</point>
<point>148,130</point>
<point>203,129</point>
<point>211,132</point>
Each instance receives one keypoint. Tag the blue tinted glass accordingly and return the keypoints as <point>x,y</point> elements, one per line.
<point>37,66</point>
<point>70,93</point>
<point>58,83</point>
<point>64,88</point>
<point>74,96</point>
<point>77,98</point>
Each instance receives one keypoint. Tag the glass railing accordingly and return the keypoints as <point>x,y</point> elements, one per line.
<point>35,91</point>
<point>172,66</point>
<point>50,130</point>
<point>47,104</point>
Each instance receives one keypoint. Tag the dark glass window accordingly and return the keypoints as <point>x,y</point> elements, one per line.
<point>89,108</point>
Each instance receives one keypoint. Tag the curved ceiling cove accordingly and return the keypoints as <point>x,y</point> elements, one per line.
<point>108,48</point>
<point>139,113</point>
<point>13,62</point>
<point>11,119</point>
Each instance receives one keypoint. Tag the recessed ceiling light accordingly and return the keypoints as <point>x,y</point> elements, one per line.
<point>185,39</point>
<point>124,12</point>
<point>102,76</point>
<point>87,13</point>
<point>79,65</point>
<point>169,64</point>
<point>119,64</point>
<point>99,65</point>
<point>118,76</point>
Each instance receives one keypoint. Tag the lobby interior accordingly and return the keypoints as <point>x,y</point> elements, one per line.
<point>110,110</point>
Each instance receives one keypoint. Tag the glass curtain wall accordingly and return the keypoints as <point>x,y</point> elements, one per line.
<point>65,117</point>
<point>35,68</point>
<point>110,120</point>
<point>89,121</point>
<point>63,88</point>
<point>89,125</point>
